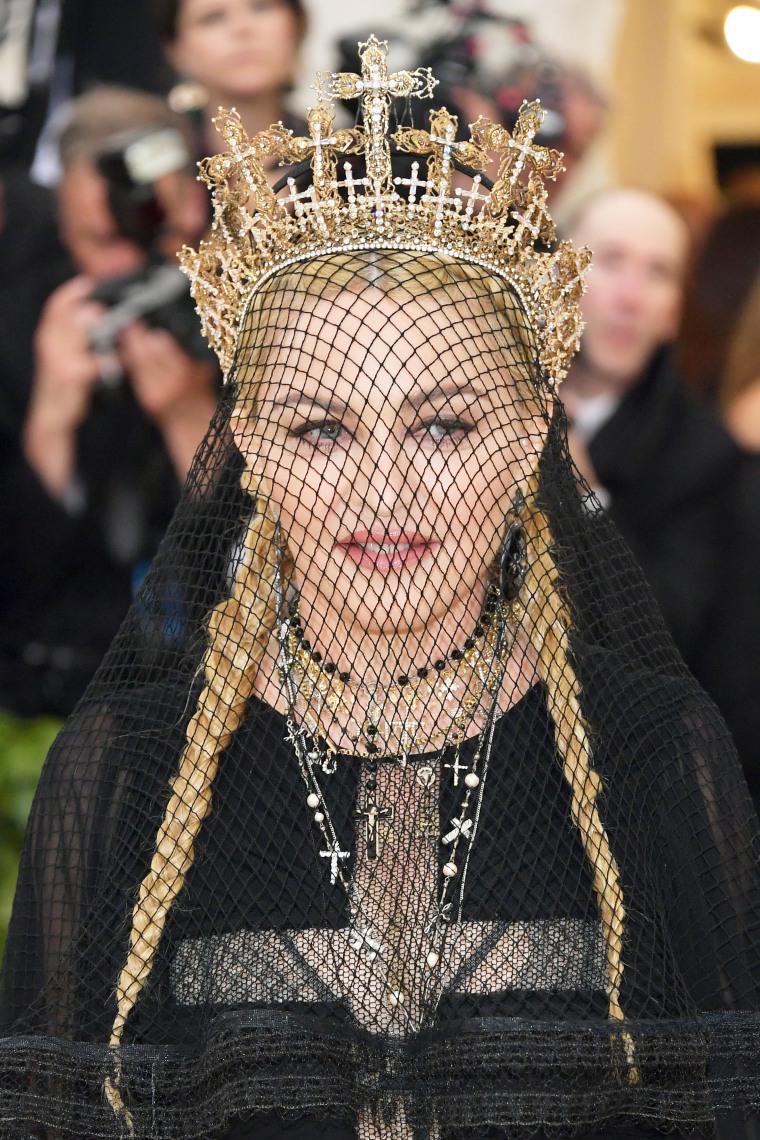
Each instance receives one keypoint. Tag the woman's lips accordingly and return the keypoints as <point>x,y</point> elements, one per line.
<point>385,550</point>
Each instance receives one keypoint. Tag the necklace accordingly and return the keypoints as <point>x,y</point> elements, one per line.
<point>450,848</point>
<point>374,819</point>
<point>434,706</point>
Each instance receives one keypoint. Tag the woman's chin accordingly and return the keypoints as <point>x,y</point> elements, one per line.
<point>388,619</point>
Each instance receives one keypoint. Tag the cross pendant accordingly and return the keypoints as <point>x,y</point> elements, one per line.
<point>371,814</point>
<point>456,768</point>
<point>334,855</point>
<point>459,827</point>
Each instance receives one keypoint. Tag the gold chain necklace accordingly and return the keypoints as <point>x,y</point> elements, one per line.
<point>390,720</point>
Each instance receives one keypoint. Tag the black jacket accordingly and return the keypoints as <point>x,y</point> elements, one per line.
<point>687,500</point>
<point>66,579</point>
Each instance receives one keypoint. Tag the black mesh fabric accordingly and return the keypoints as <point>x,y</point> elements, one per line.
<point>392,812</point>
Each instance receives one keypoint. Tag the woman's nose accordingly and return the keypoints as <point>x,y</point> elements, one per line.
<point>381,481</point>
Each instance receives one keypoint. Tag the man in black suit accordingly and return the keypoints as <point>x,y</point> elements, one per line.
<point>661,463</point>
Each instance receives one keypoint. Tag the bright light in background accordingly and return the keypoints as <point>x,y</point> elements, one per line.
<point>742,32</point>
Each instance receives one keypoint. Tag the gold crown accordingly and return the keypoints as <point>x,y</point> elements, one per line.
<point>256,232</point>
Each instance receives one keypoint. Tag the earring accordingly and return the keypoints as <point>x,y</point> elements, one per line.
<point>514,556</point>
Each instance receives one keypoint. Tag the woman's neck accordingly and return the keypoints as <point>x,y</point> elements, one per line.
<point>379,656</point>
<point>442,707</point>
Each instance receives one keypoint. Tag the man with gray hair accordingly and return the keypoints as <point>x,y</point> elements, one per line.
<point>659,461</point>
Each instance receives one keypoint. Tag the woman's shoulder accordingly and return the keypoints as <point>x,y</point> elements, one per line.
<point>654,720</point>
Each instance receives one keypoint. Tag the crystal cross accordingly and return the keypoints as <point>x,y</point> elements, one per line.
<point>414,183</point>
<point>450,685</point>
<point>295,199</point>
<point>429,830</point>
<point>472,197</point>
<point>365,941</point>
<point>372,816</point>
<point>441,200</point>
<point>460,827</point>
<point>529,221</point>
<point>456,768</point>
<point>446,145</point>
<point>441,143</point>
<point>317,144</point>
<point>441,917</point>
<point>520,160</point>
<point>376,87</point>
<point>350,183</point>
<point>334,855</point>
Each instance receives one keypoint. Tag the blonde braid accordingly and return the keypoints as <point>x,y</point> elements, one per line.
<point>549,624</point>
<point>239,629</point>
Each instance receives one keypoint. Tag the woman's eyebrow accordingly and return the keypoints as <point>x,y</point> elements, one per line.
<point>288,397</point>
<point>293,397</point>
<point>443,391</point>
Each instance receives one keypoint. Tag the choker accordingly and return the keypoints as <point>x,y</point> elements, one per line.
<point>430,707</point>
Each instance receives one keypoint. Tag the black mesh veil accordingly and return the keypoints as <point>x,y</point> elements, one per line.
<point>392,812</point>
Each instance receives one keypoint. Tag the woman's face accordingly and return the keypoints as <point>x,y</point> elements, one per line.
<point>390,440</point>
<point>238,49</point>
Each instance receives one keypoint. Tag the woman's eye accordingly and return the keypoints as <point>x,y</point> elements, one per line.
<point>442,431</point>
<point>210,16</point>
<point>320,434</point>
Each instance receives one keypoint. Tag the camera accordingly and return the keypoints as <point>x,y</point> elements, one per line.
<point>131,164</point>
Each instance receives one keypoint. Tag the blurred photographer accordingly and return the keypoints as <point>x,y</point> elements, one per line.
<point>121,396</point>
<point>172,387</point>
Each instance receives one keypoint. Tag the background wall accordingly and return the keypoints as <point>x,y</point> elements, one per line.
<point>678,90</point>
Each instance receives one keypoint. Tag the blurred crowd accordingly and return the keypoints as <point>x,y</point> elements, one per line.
<point>106,388</point>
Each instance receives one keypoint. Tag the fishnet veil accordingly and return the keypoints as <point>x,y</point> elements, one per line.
<point>392,811</point>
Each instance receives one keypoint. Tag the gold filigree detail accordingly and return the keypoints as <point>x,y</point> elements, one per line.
<point>255,231</point>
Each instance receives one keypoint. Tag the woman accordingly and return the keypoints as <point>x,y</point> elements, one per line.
<point>233,53</point>
<point>419,827</point>
<point>740,390</point>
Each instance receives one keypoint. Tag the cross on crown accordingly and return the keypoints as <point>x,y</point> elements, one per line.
<point>257,232</point>
<point>376,88</point>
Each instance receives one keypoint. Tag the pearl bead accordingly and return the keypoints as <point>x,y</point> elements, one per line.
<point>319,817</point>
<point>449,870</point>
<point>396,997</point>
<point>471,780</point>
<point>432,959</point>
<point>312,800</point>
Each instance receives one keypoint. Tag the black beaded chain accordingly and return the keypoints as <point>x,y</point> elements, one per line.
<point>404,679</point>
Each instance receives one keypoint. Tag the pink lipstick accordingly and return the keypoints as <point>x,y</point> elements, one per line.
<point>386,548</point>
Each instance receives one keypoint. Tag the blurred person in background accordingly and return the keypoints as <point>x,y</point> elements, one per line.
<point>739,390</point>
<point>116,405</point>
<point>488,63</point>
<point>54,50</point>
<point>717,289</point>
<point>662,464</point>
<point>718,342</point>
<point>32,264</point>
<point>232,53</point>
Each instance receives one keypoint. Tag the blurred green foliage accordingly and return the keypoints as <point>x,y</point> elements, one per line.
<point>23,747</point>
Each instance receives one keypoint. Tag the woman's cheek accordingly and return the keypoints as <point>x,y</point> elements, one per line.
<point>310,499</point>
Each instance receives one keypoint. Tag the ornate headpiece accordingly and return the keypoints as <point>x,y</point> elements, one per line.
<point>255,232</point>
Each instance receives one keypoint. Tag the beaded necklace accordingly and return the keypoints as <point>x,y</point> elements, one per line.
<point>486,659</point>
<point>389,720</point>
